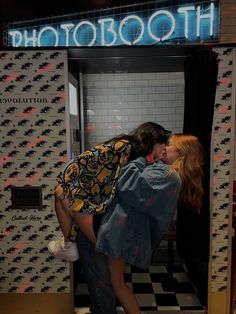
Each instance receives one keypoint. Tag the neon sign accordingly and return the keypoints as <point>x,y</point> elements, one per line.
<point>196,22</point>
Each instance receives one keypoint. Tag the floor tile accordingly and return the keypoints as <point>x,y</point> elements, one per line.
<point>128,277</point>
<point>187,299</point>
<point>142,287</point>
<point>82,310</point>
<point>142,277</point>
<point>146,299</point>
<point>149,311</point>
<point>181,277</point>
<point>157,277</point>
<point>168,299</point>
<point>157,269</point>
<point>184,287</point>
<point>135,269</point>
<point>149,290</point>
<point>157,288</point>
<point>168,308</point>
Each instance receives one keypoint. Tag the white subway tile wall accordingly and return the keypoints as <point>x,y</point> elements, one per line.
<point>117,103</point>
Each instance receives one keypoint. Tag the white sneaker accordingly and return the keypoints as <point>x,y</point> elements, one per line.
<point>64,250</point>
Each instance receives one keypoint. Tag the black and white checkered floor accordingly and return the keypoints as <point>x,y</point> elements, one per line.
<point>151,293</point>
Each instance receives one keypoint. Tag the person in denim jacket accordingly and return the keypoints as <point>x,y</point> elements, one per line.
<point>146,201</point>
<point>87,184</point>
<point>146,194</point>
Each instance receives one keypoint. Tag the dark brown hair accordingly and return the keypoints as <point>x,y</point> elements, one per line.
<point>144,137</point>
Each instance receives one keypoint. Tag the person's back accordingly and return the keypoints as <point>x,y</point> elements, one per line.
<point>147,199</point>
<point>127,230</point>
<point>90,179</point>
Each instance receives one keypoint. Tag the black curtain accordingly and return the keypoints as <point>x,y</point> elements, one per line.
<point>193,236</point>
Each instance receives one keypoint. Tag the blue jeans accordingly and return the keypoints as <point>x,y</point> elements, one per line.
<point>97,276</point>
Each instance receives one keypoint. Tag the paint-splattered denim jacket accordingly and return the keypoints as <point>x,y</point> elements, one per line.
<point>140,214</point>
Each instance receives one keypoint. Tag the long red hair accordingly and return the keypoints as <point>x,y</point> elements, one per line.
<point>189,167</point>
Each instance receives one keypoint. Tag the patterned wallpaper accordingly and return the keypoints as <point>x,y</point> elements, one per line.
<point>33,93</point>
<point>221,173</point>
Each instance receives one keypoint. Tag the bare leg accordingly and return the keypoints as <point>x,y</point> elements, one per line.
<point>63,215</point>
<point>64,249</point>
<point>123,293</point>
<point>85,224</point>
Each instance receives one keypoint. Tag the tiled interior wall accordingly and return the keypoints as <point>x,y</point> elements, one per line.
<point>117,103</point>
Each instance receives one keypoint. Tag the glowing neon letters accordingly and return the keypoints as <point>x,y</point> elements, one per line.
<point>180,24</point>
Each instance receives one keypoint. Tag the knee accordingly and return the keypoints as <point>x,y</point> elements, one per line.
<point>58,192</point>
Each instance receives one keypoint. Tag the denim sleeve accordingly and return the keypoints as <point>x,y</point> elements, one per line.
<point>97,275</point>
<point>149,187</point>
